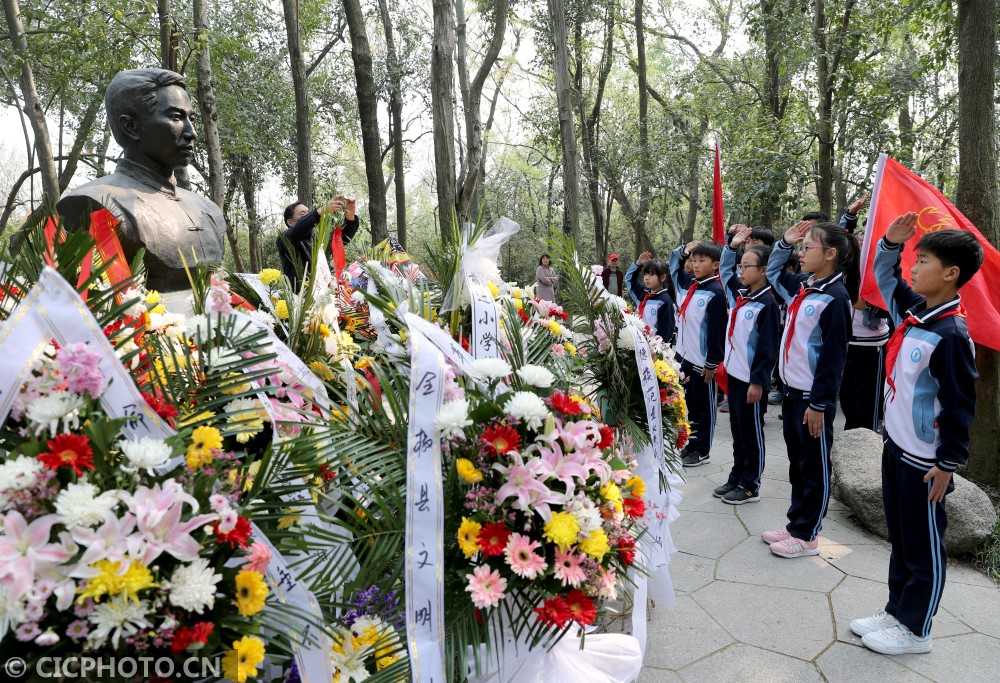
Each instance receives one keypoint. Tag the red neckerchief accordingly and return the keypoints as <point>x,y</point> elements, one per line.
<point>793,311</point>
<point>642,304</point>
<point>895,342</point>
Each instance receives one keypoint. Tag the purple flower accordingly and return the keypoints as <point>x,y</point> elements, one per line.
<point>28,631</point>
<point>78,629</point>
<point>293,674</point>
<point>81,368</point>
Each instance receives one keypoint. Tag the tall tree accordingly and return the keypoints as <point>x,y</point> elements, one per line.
<point>33,107</point>
<point>395,86</point>
<point>977,199</point>
<point>443,111</point>
<point>642,241</point>
<point>567,129</point>
<point>368,110</point>
<point>206,102</point>
<point>303,130</point>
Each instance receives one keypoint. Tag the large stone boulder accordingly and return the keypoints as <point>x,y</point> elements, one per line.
<point>857,482</point>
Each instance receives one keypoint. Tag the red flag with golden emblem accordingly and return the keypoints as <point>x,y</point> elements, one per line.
<point>898,190</point>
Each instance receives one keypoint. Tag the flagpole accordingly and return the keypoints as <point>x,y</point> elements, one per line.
<point>869,231</point>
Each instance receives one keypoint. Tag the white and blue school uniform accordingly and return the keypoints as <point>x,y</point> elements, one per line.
<point>701,331</point>
<point>751,351</point>
<point>930,401</point>
<point>864,373</point>
<point>811,358</point>
<point>655,309</point>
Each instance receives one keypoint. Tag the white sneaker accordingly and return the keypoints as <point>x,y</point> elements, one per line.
<point>897,640</point>
<point>876,622</point>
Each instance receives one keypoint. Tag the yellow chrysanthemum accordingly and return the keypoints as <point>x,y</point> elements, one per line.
<point>468,537</point>
<point>251,592</point>
<point>611,492</point>
<point>494,290</point>
<point>287,521</point>
<point>152,297</point>
<point>555,328</point>
<point>467,471</point>
<point>518,304</point>
<point>234,384</point>
<point>636,485</point>
<point>570,348</point>
<point>109,582</point>
<point>203,441</point>
<point>269,276</point>
<point>281,309</point>
<point>241,662</point>
<point>664,372</point>
<point>362,363</point>
<point>159,309</point>
<point>595,545</point>
<point>562,529</point>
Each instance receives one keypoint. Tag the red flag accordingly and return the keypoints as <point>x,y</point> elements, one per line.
<point>718,217</point>
<point>898,190</point>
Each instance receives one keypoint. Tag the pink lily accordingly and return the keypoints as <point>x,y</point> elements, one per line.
<point>522,483</point>
<point>158,512</point>
<point>552,464</point>
<point>25,550</point>
<point>112,541</point>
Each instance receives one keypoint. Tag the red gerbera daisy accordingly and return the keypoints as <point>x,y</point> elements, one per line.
<point>239,536</point>
<point>523,316</point>
<point>554,612</point>
<point>581,608</point>
<point>607,437</point>
<point>565,404</point>
<point>161,407</point>
<point>634,507</point>
<point>501,439</point>
<point>663,396</point>
<point>626,550</point>
<point>186,637</point>
<point>682,437</point>
<point>69,450</point>
<point>493,539</point>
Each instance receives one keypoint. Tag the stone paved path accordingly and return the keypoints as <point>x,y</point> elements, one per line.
<point>746,615</point>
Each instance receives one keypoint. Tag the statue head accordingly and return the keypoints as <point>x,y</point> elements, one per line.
<point>150,116</point>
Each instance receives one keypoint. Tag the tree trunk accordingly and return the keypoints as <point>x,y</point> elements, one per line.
<point>253,218</point>
<point>443,112</point>
<point>234,244</point>
<point>977,199</point>
<point>567,129</point>
<point>395,121</point>
<point>32,102</point>
<point>167,54</point>
<point>642,241</point>
<point>694,181</point>
<point>470,175</point>
<point>82,135</point>
<point>303,132</point>
<point>206,102</point>
<point>824,111</point>
<point>368,110</point>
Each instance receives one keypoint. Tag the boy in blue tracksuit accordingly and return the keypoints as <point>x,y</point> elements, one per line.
<point>701,330</point>
<point>811,358</point>
<point>930,400</point>
<point>751,350</point>
<point>652,294</point>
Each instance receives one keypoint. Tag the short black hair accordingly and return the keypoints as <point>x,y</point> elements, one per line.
<point>661,269</point>
<point>793,261</point>
<point>544,256</point>
<point>821,216</point>
<point>763,234</point>
<point>954,248</point>
<point>290,209</point>
<point>762,252</point>
<point>709,249</point>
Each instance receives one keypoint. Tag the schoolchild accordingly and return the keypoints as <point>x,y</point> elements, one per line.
<point>930,399</point>
<point>811,360</point>
<point>751,351</point>
<point>701,330</point>
<point>653,293</point>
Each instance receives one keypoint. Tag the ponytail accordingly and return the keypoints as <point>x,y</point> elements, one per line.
<point>848,254</point>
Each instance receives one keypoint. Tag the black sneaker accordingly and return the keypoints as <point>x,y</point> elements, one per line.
<point>720,491</point>
<point>738,496</point>
<point>694,458</point>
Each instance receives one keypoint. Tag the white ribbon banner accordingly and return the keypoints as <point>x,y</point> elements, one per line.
<point>485,321</point>
<point>425,514</point>
<point>54,310</point>
<point>377,318</point>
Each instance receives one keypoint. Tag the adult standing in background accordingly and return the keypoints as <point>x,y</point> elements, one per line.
<point>545,278</point>
<point>613,278</point>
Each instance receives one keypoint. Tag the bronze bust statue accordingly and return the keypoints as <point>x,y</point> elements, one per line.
<point>150,116</point>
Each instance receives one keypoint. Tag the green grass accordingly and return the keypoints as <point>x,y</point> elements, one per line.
<point>987,559</point>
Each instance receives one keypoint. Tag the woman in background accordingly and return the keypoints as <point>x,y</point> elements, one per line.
<point>546,277</point>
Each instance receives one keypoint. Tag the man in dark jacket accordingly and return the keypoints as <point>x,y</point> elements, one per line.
<point>613,278</point>
<point>300,222</point>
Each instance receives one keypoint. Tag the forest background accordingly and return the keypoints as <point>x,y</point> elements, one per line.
<point>597,119</point>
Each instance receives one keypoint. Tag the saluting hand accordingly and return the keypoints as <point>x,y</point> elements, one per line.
<point>858,204</point>
<point>741,236</point>
<point>903,228</point>
<point>797,232</point>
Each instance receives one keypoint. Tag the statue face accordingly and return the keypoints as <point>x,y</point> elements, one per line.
<point>165,139</point>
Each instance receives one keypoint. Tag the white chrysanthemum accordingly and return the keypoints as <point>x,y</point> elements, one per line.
<point>348,661</point>
<point>46,412</point>
<point>18,474</point>
<point>117,617</point>
<point>586,514</point>
<point>82,504</point>
<point>331,344</point>
<point>261,317</point>
<point>196,327</point>
<point>12,612</point>
<point>617,302</point>
<point>167,323</point>
<point>221,357</point>
<point>536,376</point>
<point>453,418</point>
<point>527,407</point>
<point>146,453</point>
<point>139,307</point>
<point>357,297</point>
<point>192,586</point>
<point>491,368</point>
<point>244,405</point>
<point>330,314</point>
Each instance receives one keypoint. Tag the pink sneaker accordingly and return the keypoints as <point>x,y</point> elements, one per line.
<point>775,536</point>
<point>795,547</point>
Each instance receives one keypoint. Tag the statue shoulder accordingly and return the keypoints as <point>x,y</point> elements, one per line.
<point>77,203</point>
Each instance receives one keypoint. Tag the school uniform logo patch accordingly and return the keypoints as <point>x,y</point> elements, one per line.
<point>748,315</point>
<point>810,309</point>
<point>701,303</point>
<point>916,355</point>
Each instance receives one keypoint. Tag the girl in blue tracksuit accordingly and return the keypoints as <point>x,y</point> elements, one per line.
<point>652,294</point>
<point>811,359</point>
<point>751,350</point>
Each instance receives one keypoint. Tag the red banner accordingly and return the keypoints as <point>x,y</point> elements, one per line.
<point>899,190</point>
